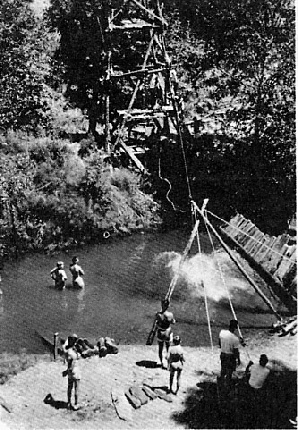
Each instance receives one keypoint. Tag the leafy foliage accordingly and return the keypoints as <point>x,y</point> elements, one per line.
<point>237,68</point>
<point>24,68</point>
<point>51,197</point>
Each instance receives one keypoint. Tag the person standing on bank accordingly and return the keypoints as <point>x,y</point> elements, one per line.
<point>59,276</point>
<point>229,344</point>
<point>73,372</point>
<point>163,322</point>
<point>77,274</point>
<point>175,362</point>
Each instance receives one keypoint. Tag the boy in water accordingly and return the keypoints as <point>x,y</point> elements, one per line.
<point>175,362</point>
<point>59,276</point>
<point>77,273</point>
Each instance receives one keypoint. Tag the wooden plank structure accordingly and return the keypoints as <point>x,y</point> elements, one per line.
<point>154,104</point>
<point>273,258</point>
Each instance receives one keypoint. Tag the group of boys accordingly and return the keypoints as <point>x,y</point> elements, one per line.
<point>229,342</point>
<point>59,276</point>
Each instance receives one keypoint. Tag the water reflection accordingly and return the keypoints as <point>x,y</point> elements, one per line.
<point>64,300</point>
<point>1,305</point>
<point>81,301</point>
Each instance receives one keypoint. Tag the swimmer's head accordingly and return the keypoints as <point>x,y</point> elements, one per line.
<point>176,340</point>
<point>75,259</point>
<point>60,264</point>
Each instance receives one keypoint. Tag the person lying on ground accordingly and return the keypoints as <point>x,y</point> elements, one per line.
<point>59,276</point>
<point>175,362</point>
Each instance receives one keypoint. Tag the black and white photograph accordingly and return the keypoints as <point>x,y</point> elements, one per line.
<point>148,266</point>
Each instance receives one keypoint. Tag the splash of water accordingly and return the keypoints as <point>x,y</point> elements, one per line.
<point>216,272</point>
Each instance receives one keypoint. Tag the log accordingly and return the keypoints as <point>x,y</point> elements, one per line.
<point>286,264</point>
<point>277,287</point>
<point>121,405</point>
<point>268,251</point>
<point>233,223</point>
<point>149,393</point>
<point>257,236</point>
<point>264,247</point>
<point>277,259</point>
<point>139,394</point>
<point>246,237</point>
<point>133,400</point>
<point>162,395</point>
<point>258,245</point>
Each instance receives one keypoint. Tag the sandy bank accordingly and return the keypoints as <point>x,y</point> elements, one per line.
<point>25,392</point>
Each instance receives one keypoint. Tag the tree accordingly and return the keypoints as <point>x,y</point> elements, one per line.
<point>24,67</point>
<point>85,50</point>
<point>238,65</point>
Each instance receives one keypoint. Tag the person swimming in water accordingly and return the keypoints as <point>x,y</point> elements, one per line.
<point>59,276</point>
<point>77,274</point>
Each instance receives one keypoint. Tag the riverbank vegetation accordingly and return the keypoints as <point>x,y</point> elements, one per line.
<point>58,187</point>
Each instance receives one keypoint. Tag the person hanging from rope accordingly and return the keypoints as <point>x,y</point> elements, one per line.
<point>162,327</point>
<point>229,357</point>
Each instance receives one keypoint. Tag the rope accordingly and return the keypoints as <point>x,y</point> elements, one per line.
<point>170,187</point>
<point>253,238</point>
<point>209,328</point>
<point>225,285</point>
<point>181,142</point>
<point>182,260</point>
<point>205,297</point>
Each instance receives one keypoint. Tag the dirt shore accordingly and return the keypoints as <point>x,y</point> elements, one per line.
<point>25,392</point>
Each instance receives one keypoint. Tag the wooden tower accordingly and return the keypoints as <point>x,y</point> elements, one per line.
<point>153,104</point>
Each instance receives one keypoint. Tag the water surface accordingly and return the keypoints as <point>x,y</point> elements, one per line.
<point>125,280</point>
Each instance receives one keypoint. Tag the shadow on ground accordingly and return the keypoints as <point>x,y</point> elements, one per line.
<point>148,364</point>
<point>208,405</point>
<point>57,404</point>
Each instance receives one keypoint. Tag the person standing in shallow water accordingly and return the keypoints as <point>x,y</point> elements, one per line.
<point>163,321</point>
<point>77,274</point>
<point>59,276</point>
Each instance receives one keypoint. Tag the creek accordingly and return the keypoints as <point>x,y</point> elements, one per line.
<point>125,280</point>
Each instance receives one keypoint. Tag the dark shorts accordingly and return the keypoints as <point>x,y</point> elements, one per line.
<point>164,335</point>
<point>228,362</point>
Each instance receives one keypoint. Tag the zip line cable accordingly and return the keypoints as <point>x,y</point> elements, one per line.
<point>205,295</point>
<point>252,237</point>
<point>225,285</point>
